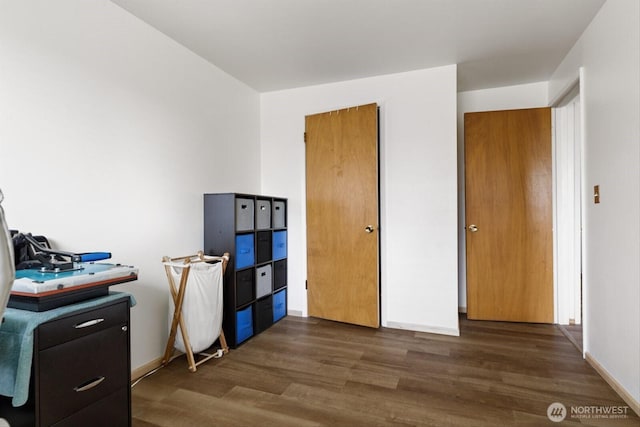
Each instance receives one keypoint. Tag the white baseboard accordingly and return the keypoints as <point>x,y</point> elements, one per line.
<point>615,385</point>
<point>424,328</point>
<point>296,313</point>
<point>147,367</point>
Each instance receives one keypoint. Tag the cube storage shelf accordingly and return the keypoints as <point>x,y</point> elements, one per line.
<point>253,229</point>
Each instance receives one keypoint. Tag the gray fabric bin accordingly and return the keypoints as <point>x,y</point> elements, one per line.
<point>244,214</point>
<point>263,281</point>
<point>263,214</point>
<point>279,214</point>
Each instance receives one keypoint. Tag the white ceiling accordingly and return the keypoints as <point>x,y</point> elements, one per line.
<point>281,44</point>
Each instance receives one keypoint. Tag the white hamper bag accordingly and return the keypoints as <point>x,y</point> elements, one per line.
<point>202,305</point>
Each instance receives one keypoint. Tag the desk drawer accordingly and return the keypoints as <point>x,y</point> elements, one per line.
<point>73,375</point>
<point>111,411</point>
<point>78,325</point>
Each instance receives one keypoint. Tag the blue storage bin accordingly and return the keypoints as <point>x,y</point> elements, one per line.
<point>279,305</point>
<point>245,255</point>
<point>279,245</point>
<point>244,324</point>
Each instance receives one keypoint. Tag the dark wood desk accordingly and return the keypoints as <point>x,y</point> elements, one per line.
<point>81,370</point>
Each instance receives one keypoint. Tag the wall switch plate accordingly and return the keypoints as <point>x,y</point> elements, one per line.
<point>596,194</point>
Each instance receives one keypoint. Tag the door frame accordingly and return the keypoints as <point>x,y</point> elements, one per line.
<point>583,196</point>
<point>579,302</point>
<point>567,209</point>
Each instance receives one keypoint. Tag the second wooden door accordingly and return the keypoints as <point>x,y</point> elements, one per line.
<point>342,215</point>
<point>509,215</point>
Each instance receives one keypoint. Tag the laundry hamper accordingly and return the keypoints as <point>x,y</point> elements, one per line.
<point>195,306</point>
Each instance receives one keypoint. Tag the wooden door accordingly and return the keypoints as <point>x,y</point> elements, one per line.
<point>509,215</point>
<point>342,215</point>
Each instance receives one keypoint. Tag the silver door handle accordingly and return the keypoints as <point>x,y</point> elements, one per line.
<point>473,228</point>
<point>369,228</point>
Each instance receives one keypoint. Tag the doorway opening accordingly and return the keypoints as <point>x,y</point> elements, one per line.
<point>568,215</point>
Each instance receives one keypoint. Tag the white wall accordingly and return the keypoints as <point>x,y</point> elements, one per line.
<point>418,187</point>
<point>532,95</point>
<point>609,52</point>
<point>109,135</point>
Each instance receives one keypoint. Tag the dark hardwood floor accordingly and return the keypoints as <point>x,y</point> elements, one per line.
<point>573,334</point>
<point>311,372</point>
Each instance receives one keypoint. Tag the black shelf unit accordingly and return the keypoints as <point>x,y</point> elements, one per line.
<point>253,229</point>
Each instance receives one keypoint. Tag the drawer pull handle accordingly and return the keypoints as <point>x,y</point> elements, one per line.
<point>88,323</point>
<point>89,385</point>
